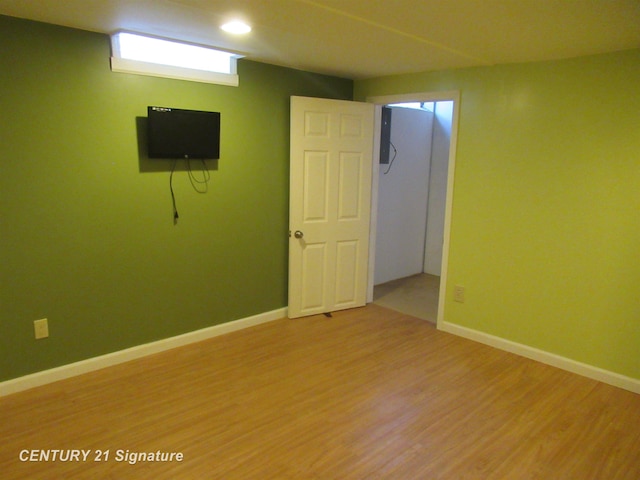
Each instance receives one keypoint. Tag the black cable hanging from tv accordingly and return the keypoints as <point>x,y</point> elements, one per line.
<point>195,182</point>
<point>173,196</point>
<point>206,176</point>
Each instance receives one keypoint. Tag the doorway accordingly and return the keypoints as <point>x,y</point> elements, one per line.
<point>411,204</point>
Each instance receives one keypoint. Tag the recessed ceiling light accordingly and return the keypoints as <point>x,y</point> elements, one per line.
<point>236,27</point>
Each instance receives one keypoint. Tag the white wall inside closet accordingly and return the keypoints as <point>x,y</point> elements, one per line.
<point>412,194</point>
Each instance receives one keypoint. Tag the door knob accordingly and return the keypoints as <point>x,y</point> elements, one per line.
<point>298,234</point>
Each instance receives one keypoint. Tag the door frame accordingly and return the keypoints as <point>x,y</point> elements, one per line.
<point>380,101</point>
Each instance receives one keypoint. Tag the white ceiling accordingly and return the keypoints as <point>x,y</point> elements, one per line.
<point>366,38</point>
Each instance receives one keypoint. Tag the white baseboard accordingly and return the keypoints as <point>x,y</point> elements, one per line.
<point>595,373</point>
<point>139,351</point>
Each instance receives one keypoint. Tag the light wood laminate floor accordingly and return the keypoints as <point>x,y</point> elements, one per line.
<point>367,394</point>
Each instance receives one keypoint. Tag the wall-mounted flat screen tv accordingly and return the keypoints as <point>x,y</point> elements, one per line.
<point>178,133</point>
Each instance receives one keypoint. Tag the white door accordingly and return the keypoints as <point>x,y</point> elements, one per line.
<point>331,163</point>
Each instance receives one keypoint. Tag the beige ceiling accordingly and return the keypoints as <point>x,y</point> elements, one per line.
<point>366,38</point>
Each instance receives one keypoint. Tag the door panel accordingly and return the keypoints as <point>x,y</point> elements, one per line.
<point>347,261</point>
<point>314,260</point>
<point>316,182</point>
<point>349,188</point>
<point>330,202</point>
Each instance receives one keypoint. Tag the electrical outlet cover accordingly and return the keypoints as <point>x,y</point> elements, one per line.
<point>41,328</point>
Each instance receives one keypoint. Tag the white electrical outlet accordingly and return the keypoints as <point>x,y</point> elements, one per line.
<point>41,328</point>
<point>458,293</point>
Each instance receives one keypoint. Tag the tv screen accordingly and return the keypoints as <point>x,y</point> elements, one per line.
<point>178,133</point>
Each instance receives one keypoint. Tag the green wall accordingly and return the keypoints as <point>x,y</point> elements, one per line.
<point>545,230</point>
<point>88,239</point>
